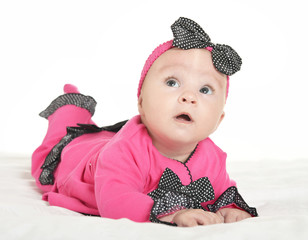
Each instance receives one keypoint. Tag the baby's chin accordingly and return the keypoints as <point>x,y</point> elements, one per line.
<point>183,141</point>
<point>173,136</point>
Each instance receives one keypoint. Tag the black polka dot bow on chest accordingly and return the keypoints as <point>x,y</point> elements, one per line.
<point>200,190</point>
<point>188,34</point>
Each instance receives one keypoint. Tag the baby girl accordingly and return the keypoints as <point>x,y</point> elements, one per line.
<point>161,165</point>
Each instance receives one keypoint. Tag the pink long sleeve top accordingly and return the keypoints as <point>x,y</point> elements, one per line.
<point>113,175</point>
<point>129,167</point>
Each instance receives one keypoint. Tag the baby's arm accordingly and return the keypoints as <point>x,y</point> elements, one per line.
<point>119,185</point>
<point>228,202</point>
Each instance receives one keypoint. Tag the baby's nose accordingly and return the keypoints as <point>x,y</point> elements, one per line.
<point>188,97</point>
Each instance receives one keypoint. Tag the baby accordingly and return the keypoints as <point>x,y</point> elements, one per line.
<point>161,165</point>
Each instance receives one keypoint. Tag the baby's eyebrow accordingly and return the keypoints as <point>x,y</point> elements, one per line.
<point>222,85</point>
<point>167,66</point>
<point>220,81</point>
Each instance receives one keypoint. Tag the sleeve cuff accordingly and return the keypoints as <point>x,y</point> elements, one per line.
<point>231,196</point>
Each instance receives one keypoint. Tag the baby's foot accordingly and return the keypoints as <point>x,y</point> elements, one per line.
<point>69,88</point>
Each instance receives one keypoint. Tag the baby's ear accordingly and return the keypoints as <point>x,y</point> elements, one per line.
<point>220,120</point>
<point>140,109</point>
<point>222,117</point>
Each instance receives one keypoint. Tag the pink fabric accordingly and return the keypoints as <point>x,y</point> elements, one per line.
<point>151,59</point>
<point>70,116</point>
<point>69,88</point>
<point>154,55</point>
<point>131,155</point>
<point>111,174</point>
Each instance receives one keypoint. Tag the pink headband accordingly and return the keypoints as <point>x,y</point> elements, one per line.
<point>187,35</point>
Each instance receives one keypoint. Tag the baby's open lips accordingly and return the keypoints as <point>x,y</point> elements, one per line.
<point>184,117</point>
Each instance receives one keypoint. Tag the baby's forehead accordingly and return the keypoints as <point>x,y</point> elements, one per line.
<point>179,55</point>
<point>198,60</point>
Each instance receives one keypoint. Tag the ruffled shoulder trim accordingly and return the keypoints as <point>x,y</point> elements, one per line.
<point>77,99</point>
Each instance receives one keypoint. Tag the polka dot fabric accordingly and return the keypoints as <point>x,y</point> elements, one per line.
<point>77,99</point>
<point>188,34</point>
<point>200,190</point>
<point>225,59</point>
<point>54,157</point>
<point>171,196</point>
<point>231,196</point>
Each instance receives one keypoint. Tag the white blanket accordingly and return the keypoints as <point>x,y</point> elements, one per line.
<point>277,189</point>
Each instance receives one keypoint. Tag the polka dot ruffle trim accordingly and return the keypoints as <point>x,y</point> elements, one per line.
<point>76,99</point>
<point>231,196</point>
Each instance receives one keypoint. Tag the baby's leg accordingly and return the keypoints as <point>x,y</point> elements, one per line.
<point>66,110</point>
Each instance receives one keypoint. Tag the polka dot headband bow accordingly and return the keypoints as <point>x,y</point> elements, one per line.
<point>188,34</point>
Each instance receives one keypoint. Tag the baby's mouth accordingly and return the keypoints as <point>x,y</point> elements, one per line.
<point>184,117</point>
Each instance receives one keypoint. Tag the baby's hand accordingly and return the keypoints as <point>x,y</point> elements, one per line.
<point>193,217</point>
<point>232,214</point>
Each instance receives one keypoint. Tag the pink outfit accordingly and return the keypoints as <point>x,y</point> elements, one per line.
<point>110,174</point>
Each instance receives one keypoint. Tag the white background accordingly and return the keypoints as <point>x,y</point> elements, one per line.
<point>101,46</point>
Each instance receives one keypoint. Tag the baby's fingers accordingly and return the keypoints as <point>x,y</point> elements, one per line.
<point>233,215</point>
<point>211,218</point>
<point>195,217</point>
<point>207,218</point>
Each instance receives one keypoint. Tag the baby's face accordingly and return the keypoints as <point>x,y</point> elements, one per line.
<point>182,97</point>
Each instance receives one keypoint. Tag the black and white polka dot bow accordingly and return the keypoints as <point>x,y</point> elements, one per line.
<point>199,191</point>
<point>188,34</point>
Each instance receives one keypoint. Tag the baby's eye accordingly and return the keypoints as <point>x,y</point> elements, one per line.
<point>172,83</point>
<point>206,90</point>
